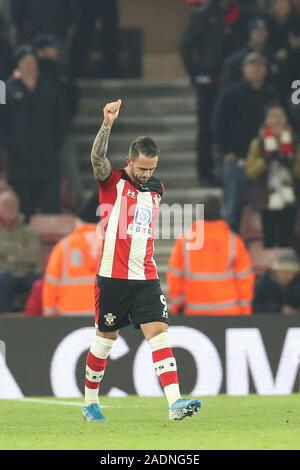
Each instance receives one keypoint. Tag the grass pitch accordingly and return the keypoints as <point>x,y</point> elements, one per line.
<point>252,422</point>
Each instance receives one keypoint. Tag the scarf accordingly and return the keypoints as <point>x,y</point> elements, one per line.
<point>270,142</point>
<point>232,15</point>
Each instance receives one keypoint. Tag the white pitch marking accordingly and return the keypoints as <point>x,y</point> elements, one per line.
<point>72,403</point>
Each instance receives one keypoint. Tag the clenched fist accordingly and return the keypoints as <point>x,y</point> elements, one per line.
<point>111,112</point>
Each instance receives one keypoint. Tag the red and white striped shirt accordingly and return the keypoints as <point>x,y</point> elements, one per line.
<point>128,212</point>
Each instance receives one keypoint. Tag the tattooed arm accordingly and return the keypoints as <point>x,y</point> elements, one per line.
<point>100,162</point>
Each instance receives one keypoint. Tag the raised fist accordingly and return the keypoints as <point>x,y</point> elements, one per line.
<point>111,112</point>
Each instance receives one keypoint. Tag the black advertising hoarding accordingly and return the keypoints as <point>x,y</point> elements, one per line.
<point>233,355</point>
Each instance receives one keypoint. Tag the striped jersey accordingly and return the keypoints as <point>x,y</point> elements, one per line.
<point>128,212</point>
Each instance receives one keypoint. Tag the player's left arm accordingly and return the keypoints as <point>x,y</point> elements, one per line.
<point>100,162</point>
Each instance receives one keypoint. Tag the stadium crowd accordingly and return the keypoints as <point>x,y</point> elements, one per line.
<point>242,58</point>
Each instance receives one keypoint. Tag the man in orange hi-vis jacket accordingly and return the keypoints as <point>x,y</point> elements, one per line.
<point>216,279</point>
<point>70,273</point>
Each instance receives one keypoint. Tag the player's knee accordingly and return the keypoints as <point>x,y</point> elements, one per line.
<point>109,335</point>
<point>152,330</point>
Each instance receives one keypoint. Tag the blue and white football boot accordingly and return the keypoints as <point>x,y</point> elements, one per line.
<point>183,408</point>
<point>93,413</point>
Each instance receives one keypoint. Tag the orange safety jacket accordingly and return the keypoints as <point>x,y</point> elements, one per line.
<point>216,279</point>
<point>70,274</point>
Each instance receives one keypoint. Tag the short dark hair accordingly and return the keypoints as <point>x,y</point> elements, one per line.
<point>145,146</point>
<point>22,51</point>
<point>212,208</point>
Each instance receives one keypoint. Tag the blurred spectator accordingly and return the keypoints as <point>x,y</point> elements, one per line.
<point>293,60</point>
<point>213,33</point>
<point>89,12</point>
<point>238,115</point>
<point>6,53</point>
<point>195,2</point>
<point>32,128</point>
<point>51,68</point>
<point>70,273</point>
<point>281,19</point>
<point>278,291</point>
<point>273,162</point>
<point>250,8</point>
<point>33,17</point>
<point>216,279</point>
<point>34,305</point>
<point>47,50</point>
<point>5,14</point>
<point>89,209</point>
<point>4,186</point>
<point>296,5</point>
<point>19,252</point>
<point>254,8</point>
<point>258,37</point>
<point>283,22</point>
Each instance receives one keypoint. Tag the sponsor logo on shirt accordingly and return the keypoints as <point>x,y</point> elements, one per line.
<point>142,220</point>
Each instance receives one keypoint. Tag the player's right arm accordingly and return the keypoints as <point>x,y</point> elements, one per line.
<point>100,162</point>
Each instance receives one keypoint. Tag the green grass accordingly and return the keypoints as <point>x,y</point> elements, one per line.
<point>252,422</point>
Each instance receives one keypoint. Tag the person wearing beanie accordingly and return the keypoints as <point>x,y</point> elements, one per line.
<point>32,128</point>
<point>278,291</point>
<point>257,42</point>
<point>48,51</point>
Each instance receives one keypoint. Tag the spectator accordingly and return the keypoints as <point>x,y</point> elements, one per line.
<point>254,8</point>
<point>6,53</point>
<point>48,54</point>
<point>89,210</point>
<point>33,17</point>
<point>283,21</point>
<point>195,2</point>
<point>296,5</point>
<point>109,15</point>
<point>70,273</point>
<point>47,50</point>
<point>32,128</point>
<point>19,252</point>
<point>258,37</point>
<point>213,33</point>
<point>273,162</point>
<point>238,115</point>
<point>216,279</point>
<point>278,291</point>
<point>293,60</point>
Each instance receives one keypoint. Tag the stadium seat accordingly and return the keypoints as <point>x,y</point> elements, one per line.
<point>52,227</point>
<point>251,227</point>
<point>263,258</point>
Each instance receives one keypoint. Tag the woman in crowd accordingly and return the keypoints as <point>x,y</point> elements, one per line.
<point>273,163</point>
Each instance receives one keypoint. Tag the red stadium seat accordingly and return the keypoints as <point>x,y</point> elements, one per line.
<point>263,258</point>
<point>251,227</point>
<point>52,227</point>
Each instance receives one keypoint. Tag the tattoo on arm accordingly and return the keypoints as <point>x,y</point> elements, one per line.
<point>101,164</point>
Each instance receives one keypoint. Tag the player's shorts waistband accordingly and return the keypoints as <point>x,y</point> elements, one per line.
<point>129,281</point>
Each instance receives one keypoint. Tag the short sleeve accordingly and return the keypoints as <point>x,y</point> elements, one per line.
<point>112,179</point>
